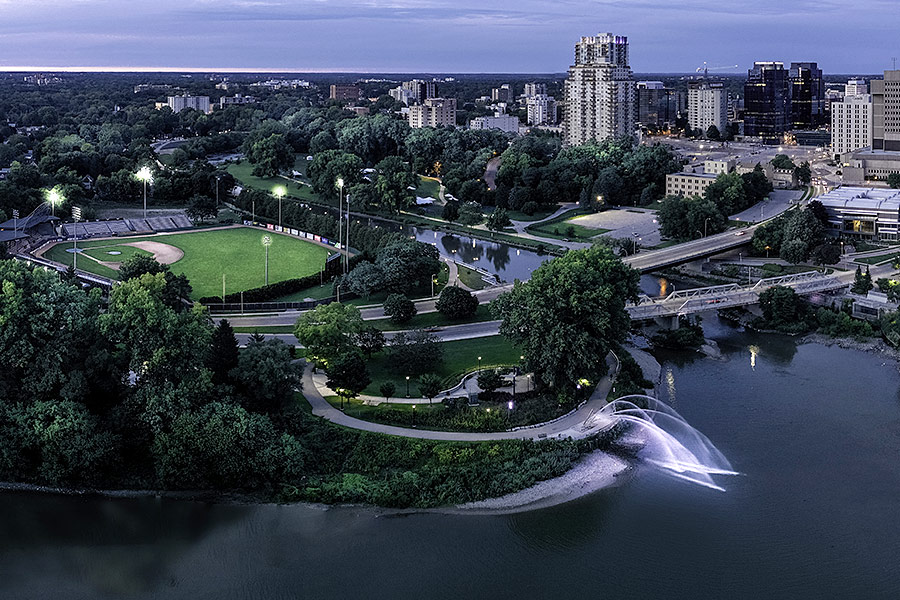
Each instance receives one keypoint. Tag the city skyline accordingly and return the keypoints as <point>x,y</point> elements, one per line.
<point>435,35</point>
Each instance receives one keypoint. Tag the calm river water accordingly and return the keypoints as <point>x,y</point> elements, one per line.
<point>816,514</point>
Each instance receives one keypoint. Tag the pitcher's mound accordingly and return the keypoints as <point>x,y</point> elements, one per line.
<point>163,253</point>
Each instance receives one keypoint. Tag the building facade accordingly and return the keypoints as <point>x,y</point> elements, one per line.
<point>688,184</point>
<point>599,91</point>
<point>535,89</point>
<point>433,112</point>
<point>886,112</point>
<point>344,92</point>
<point>707,106</point>
<point>868,213</point>
<point>807,95</point>
<point>420,90</point>
<point>236,100</point>
<point>767,102</point>
<point>502,94</point>
<point>856,87</point>
<point>851,124</point>
<point>180,103</point>
<point>507,123</point>
<point>541,109</point>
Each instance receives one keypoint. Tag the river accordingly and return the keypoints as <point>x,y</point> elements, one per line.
<point>814,430</point>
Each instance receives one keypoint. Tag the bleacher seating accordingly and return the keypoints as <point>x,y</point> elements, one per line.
<point>118,227</point>
<point>181,221</point>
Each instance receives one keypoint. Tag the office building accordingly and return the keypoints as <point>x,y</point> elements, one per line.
<point>886,112</point>
<point>856,87</point>
<point>767,102</point>
<point>502,94</point>
<point>401,94</point>
<point>599,91</point>
<point>541,109</point>
<point>866,164</point>
<point>807,95</point>
<point>851,124</point>
<point>868,213</point>
<point>535,89</point>
<point>420,90</point>
<point>434,112</point>
<point>507,123</point>
<point>236,100</point>
<point>180,103</point>
<point>344,93</point>
<point>707,106</point>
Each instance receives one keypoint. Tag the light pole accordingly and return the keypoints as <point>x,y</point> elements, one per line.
<point>76,215</point>
<point>407,387</point>
<point>634,240</point>
<point>414,413</point>
<point>253,211</point>
<point>340,186</point>
<point>479,364</point>
<point>54,198</point>
<point>218,178</point>
<point>146,175</point>
<point>705,223</point>
<point>279,191</point>
<point>267,241</point>
<point>347,238</point>
<point>433,281</point>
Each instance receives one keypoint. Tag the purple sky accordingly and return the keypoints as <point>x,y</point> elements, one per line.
<point>443,35</point>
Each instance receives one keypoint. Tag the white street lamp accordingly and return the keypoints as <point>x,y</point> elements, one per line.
<point>267,241</point>
<point>146,175</point>
<point>340,185</point>
<point>54,198</point>
<point>279,191</point>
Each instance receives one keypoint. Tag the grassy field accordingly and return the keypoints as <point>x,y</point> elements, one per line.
<point>562,228</point>
<point>459,358</point>
<point>429,187</point>
<point>874,260</point>
<point>243,172</point>
<point>517,215</point>
<point>470,278</point>
<point>238,253</point>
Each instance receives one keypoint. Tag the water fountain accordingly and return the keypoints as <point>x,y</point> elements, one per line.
<point>665,440</point>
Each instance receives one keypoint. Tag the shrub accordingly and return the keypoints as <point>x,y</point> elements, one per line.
<point>456,303</point>
<point>399,308</point>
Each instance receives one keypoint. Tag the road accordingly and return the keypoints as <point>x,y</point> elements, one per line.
<point>681,253</point>
<point>778,202</point>
<point>451,333</point>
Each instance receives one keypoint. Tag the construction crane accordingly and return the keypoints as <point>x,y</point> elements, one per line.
<point>706,69</point>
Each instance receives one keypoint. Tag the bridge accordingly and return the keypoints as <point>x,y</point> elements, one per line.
<point>688,251</point>
<point>726,296</point>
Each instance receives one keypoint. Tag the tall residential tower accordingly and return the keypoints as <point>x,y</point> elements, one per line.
<point>599,91</point>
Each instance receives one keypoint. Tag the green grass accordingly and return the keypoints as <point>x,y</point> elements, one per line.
<point>562,228</point>
<point>471,278</point>
<point>243,172</point>
<point>58,253</point>
<point>433,319</point>
<point>103,253</point>
<point>428,188</point>
<point>874,260</point>
<point>517,215</point>
<point>237,252</point>
<point>655,205</point>
<point>460,357</point>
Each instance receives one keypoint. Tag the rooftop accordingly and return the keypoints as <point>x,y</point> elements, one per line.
<point>862,198</point>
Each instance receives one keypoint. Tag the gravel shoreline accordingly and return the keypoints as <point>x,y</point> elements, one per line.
<point>596,471</point>
<point>873,346</point>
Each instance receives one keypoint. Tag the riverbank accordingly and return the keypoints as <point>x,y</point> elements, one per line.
<point>872,345</point>
<point>594,472</point>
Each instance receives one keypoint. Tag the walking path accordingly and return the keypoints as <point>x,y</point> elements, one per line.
<point>572,425</point>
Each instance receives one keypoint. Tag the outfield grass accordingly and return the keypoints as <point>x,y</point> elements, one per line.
<point>237,252</point>
<point>429,187</point>
<point>460,357</point>
<point>243,172</point>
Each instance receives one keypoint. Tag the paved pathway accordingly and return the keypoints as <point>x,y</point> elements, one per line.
<point>450,333</point>
<point>571,425</point>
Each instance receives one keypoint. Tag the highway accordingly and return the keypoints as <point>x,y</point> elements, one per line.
<point>688,251</point>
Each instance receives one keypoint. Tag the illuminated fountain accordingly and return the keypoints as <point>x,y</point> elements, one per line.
<point>665,440</point>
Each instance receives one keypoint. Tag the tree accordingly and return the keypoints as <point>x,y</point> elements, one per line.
<point>364,280</point>
<point>489,380</point>
<point>783,161</point>
<point>429,386</point>
<point>781,306</point>
<point>893,180</point>
<point>415,352</point>
<point>826,254</point>
<point>177,290</point>
<point>862,282</point>
<point>327,331</point>
<point>348,375</point>
<point>818,209</point>
<point>407,263</point>
<point>392,184</point>
<point>222,355</point>
<point>470,214</point>
<point>450,213</point>
<point>266,376</point>
<point>370,340</point>
<point>270,156</point>
<point>569,316</point>
<point>387,390</point>
<point>456,303</point>
<point>202,207</point>
<point>804,173</point>
<point>713,133</point>
<point>498,219</point>
<point>399,308</point>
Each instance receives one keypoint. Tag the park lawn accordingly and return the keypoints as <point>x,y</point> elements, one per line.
<point>874,260</point>
<point>429,187</point>
<point>237,253</point>
<point>517,215</point>
<point>562,228</point>
<point>433,319</point>
<point>460,357</point>
<point>470,278</point>
<point>243,172</point>
<point>325,291</point>
<point>366,412</point>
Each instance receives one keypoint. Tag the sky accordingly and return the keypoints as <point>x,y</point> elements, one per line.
<point>442,36</point>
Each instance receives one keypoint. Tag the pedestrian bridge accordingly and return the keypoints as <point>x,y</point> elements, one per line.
<point>726,296</point>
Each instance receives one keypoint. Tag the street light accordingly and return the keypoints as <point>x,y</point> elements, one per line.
<point>279,191</point>
<point>218,178</point>
<point>433,281</point>
<point>705,223</point>
<point>54,197</point>
<point>267,241</point>
<point>340,185</point>
<point>479,363</point>
<point>146,175</point>
<point>407,387</point>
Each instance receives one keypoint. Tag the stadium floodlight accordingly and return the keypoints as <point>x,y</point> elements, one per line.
<point>146,175</point>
